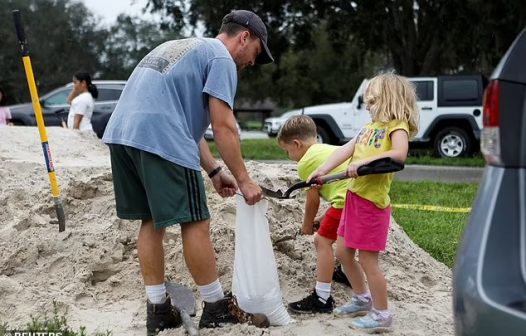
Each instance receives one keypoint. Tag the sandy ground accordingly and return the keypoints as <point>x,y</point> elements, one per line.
<point>91,270</point>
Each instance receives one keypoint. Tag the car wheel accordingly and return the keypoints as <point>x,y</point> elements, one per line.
<point>452,142</point>
<point>323,135</point>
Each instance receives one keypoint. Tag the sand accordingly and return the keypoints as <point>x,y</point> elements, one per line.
<point>92,272</point>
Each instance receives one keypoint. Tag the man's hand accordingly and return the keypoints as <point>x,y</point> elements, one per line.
<point>251,192</point>
<point>224,184</point>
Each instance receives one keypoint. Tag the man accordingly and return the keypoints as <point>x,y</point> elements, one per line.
<point>156,143</point>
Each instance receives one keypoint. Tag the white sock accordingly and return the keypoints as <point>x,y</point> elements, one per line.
<point>365,297</point>
<point>212,292</point>
<point>323,289</point>
<point>156,293</point>
<point>384,314</point>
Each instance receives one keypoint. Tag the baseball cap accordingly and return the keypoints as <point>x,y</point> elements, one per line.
<point>253,22</point>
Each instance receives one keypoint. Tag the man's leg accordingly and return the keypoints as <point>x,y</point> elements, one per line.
<point>198,252</point>
<point>151,253</point>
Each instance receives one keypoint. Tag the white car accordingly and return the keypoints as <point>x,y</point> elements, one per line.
<point>209,133</point>
<point>273,125</point>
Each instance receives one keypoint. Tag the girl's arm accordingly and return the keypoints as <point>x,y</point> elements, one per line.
<point>398,152</point>
<point>311,209</point>
<point>339,156</point>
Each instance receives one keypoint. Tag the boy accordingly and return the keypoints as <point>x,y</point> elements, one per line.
<point>297,137</point>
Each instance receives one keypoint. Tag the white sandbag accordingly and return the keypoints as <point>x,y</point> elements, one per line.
<point>255,281</point>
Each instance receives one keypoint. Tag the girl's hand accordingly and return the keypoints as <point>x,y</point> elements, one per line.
<point>352,169</point>
<point>316,173</point>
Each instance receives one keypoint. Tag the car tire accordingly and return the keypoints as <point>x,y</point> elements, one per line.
<point>323,135</point>
<point>452,142</point>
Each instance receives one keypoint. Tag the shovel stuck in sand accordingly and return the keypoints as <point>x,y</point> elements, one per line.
<point>40,120</point>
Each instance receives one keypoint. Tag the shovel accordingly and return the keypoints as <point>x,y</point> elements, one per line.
<point>378,166</point>
<point>40,120</point>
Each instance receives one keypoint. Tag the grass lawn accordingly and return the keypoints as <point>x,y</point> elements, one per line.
<point>437,232</point>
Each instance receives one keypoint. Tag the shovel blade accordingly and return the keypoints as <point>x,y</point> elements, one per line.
<point>272,193</point>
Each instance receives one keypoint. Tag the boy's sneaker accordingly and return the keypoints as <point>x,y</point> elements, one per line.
<point>339,276</point>
<point>355,307</point>
<point>227,311</point>
<point>161,316</point>
<point>373,323</point>
<point>312,304</point>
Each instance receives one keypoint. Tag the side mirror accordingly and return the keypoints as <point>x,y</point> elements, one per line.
<point>360,102</point>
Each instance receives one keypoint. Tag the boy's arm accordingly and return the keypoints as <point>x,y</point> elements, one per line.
<point>311,209</point>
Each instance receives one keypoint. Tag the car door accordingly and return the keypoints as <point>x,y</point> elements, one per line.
<point>426,90</point>
<point>359,115</point>
<point>55,107</point>
<point>104,106</point>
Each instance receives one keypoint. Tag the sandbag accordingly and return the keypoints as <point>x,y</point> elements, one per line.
<point>255,280</point>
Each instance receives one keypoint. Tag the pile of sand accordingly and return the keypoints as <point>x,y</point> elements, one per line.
<point>91,270</point>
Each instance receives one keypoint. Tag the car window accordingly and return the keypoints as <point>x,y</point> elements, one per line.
<point>108,94</point>
<point>424,90</point>
<point>464,90</point>
<point>59,98</point>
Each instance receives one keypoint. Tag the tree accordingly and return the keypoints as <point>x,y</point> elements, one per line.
<point>129,40</point>
<point>69,42</point>
<point>414,37</point>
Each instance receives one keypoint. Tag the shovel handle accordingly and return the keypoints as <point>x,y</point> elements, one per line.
<point>320,180</point>
<point>21,35</point>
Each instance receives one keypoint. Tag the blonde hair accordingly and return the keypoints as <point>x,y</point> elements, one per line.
<point>299,127</point>
<point>392,97</point>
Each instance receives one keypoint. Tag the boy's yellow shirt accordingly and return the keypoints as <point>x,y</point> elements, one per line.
<point>317,155</point>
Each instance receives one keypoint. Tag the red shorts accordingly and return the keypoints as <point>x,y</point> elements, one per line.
<point>329,224</point>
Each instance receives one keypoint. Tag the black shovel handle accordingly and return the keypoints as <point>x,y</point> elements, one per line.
<point>21,35</point>
<point>378,166</point>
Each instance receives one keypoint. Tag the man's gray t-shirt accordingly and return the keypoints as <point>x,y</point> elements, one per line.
<point>164,106</point>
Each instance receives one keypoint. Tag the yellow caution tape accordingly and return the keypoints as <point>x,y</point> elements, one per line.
<point>430,208</point>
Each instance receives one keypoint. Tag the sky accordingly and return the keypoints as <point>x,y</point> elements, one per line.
<point>108,10</point>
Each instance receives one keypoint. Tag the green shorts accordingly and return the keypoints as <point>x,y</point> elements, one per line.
<point>150,187</point>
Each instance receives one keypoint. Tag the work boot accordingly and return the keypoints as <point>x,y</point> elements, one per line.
<point>312,304</point>
<point>226,311</point>
<point>161,316</point>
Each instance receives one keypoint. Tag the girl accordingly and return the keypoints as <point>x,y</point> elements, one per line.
<point>391,101</point>
<point>82,102</point>
<point>5,112</point>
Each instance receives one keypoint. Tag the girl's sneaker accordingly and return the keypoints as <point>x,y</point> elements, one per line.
<point>373,323</point>
<point>355,307</point>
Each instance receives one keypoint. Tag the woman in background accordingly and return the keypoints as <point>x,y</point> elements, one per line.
<point>82,100</point>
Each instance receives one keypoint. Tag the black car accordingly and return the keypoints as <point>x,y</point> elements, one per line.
<point>489,279</point>
<point>55,107</point>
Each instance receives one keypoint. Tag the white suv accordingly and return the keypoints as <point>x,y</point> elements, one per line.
<point>450,114</point>
<point>273,125</point>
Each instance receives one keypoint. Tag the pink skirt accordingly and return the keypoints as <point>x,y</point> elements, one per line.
<point>363,225</point>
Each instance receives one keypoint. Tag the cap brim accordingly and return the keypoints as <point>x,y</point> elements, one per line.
<point>264,56</point>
